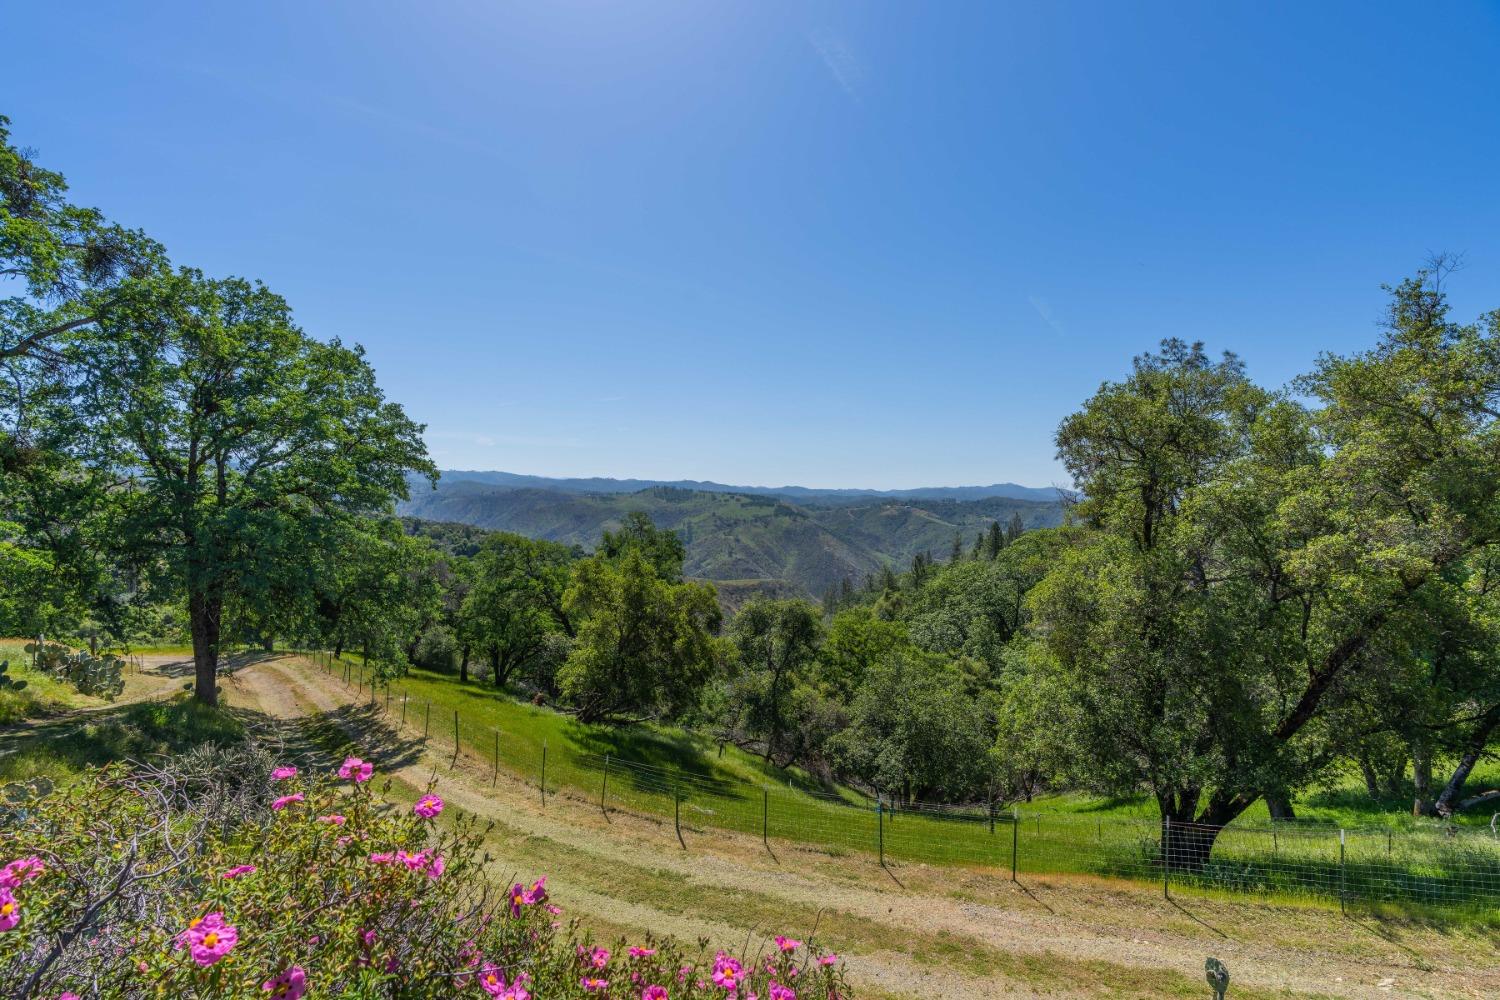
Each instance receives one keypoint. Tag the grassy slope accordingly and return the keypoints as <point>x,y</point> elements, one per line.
<point>675,774</point>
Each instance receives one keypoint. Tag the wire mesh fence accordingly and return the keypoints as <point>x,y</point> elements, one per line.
<point>1430,866</point>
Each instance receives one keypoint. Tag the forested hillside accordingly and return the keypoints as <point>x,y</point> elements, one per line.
<point>768,540</point>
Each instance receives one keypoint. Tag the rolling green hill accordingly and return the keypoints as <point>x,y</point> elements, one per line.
<point>748,541</point>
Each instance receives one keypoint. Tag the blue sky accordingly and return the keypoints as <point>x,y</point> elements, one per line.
<point>873,244</point>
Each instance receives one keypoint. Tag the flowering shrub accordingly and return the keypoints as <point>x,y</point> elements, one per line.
<point>230,874</point>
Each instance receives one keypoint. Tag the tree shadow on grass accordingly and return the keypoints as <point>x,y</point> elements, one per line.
<point>359,730</point>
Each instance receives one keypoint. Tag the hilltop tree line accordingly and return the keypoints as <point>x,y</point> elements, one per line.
<point>1254,588</point>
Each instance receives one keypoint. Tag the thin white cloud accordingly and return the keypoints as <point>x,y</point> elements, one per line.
<point>842,64</point>
<point>1044,310</point>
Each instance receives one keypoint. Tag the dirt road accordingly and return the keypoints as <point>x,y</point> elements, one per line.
<point>914,929</point>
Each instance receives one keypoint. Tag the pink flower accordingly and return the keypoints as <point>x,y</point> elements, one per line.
<point>290,985</point>
<point>21,870</point>
<point>333,818</point>
<point>209,939</point>
<point>10,910</point>
<point>829,959</point>
<point>287,800</point>
<point>787,944</point>
<point>776,991</point>
<point>382,858</point>
<point>593,985</point>
<point>639,952</point>
<point>437,867</point>
<point>367,938</point>
<point>356,770</point>
<point>654,993</point>
<point>727,971</point>
<point>68,995</point>
<point>490,979</point>
<point>238,870</point>
<point>598,958</point>
<point>281,774</point>
<point>413,862</point>
<point>428,806</point>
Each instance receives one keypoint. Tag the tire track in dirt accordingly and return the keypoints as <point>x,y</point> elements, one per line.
<point>1049,917</point>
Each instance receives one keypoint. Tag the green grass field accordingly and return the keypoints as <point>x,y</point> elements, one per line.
<point>674,774</point>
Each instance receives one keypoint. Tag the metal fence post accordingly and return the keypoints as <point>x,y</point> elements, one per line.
<point>1166,852</point>
<point>404,696</point>
<point>427,722</point>
<point>495,777</point>
<point>544,774</point>
<point>1015,839</point>
<point>677,814</point>
<point>1343,881</point>
<point>455,736</point>
<point>765,817</point>
<point>880,828</point>
<point>604,788</point>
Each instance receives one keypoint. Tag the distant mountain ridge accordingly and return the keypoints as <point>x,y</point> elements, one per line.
<point>746,541</point>
<point>801,494</point>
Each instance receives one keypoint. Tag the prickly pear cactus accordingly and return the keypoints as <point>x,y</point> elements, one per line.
<point>1217,974</point>
<point>8,683</point>
<point>102,676</point>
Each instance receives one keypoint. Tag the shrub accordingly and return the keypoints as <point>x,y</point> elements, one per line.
<point>222,874</point>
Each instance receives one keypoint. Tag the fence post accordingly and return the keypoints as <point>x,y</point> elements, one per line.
<point>495,777</point>
<point>677,814</point>
<point>404,696</point>
<point>604,788</point>
<point>880,827</point>
<point>1166,852</point>
<point>1343,882</point>
<point>387,698</point>
<point>455,736</point>
<point>544,774</point>
<point>765,817</point>
<point>427,722</point>
<point>1015,839</point>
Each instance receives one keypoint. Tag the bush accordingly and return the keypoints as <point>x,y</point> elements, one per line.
<point>220,874</point>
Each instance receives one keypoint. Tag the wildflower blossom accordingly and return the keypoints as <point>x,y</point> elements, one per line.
<point>287,800</point>
<point>786,943</point>
<point>21,870</point>
<point>209,939</point>
<point>828,959</point>
<point>382,858</point>
<point>238,870</point>
<point>290,985</point>
<point>333,818</point>
<point>436,867</point>
<point>10,910</point>
<point>775,991</point>
<point>654,993</point>
<point>598,958</point>
<point>593,984</point>
<point>284,772</point>
<point>727,971</point>
<point>490,979</point>
<point>356,770</point>
<point>428,806</point>
<point>638,952</point>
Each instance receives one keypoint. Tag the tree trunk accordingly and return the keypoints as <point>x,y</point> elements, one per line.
<point>338,648</point>
<point>1281,806</point>
<point>1421,780</point>
<point>1367,771</point>
<point>203,619</point>
<point>1448,801</point>
<point>268,644</point>
<point>463,664</point>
